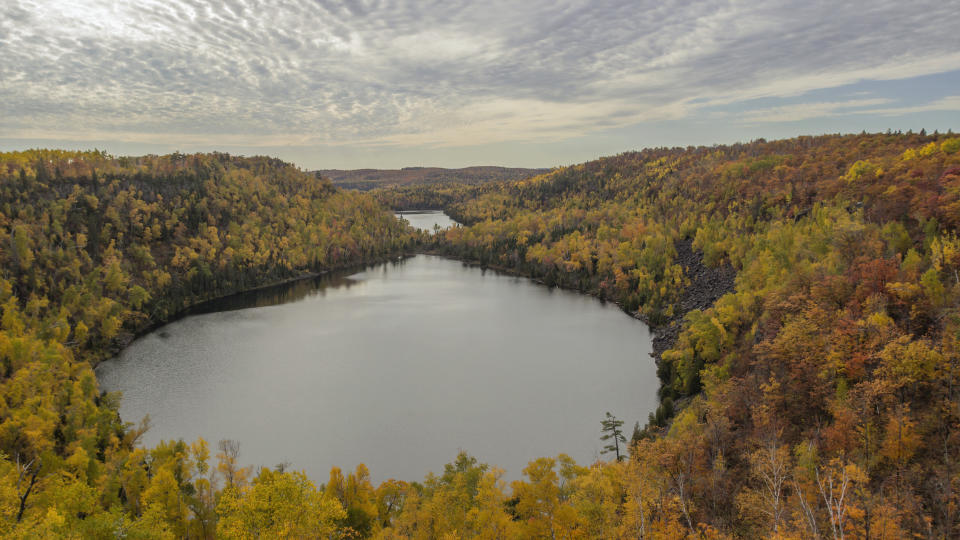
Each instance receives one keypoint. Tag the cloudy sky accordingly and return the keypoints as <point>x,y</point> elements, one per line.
<point>350,84</point>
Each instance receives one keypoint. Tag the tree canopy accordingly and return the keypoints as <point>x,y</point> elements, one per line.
<point>816,397</point>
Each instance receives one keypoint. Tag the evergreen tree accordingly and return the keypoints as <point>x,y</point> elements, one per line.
<point>611,429</point>
<point>637,434</point>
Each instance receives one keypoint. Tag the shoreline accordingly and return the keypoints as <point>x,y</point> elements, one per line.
<point>123,341</point>
<point>707,285</point>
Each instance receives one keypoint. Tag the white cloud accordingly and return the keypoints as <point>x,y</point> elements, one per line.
<point>442,73</point>
<point>950,103</point>
<point>803,111</point>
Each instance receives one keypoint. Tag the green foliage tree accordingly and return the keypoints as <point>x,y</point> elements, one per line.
<point>610,427</point>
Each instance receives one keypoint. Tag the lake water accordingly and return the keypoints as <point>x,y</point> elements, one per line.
<point>425,220</point>
<point>398,366</point>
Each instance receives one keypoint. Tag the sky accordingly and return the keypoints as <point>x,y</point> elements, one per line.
<point>454,83</point>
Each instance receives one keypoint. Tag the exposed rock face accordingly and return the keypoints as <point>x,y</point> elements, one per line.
<point>706,286</point>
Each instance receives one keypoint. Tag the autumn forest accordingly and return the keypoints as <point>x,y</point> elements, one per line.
<point>804,296</point>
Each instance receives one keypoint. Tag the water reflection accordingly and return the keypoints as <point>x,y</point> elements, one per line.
<point>285,293</point>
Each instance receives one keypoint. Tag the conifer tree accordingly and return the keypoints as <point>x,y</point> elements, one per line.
<point>611,429</point>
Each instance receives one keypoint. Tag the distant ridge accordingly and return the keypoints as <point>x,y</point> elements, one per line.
<point>366,179</point>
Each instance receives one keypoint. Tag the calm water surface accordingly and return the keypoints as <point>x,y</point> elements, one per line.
<point>398,366</point>
<point>425,220</point>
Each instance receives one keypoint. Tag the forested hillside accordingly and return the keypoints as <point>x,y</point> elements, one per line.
<point>367,179</point>
<point>820,397</point>
<point>95,248</point>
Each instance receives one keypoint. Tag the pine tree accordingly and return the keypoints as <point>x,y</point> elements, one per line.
<point>637,435</point>
<point>611,429</point>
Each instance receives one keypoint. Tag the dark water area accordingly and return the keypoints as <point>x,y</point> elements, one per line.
<point>284,293</point>
<point>398,366</point>
<point>426,220</point>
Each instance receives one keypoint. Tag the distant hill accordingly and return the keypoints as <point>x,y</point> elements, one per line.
<point>366,179</point>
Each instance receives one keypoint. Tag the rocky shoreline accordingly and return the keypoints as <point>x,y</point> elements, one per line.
<point>707,285</point>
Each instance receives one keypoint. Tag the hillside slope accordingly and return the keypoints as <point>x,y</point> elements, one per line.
<point>817,398</point>
<point>820,395</point>
<point>94,249</point>
<point>367,179</point>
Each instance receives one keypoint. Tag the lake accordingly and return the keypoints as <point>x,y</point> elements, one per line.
<point>398,366</point>
<point>425,220</point>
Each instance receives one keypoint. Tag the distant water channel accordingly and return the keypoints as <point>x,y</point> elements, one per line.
<point>398,366</point>
<point>426,220</point>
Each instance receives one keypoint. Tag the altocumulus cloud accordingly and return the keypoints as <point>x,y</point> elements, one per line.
<point>445,72</point>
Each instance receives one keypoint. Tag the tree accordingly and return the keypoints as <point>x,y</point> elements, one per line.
<point>834,481</point>
<point>228,465</point>
<point>278,505</point>
<point>637,435</point>
<point>489,519</point>
<point>611,429</point>
<point>542,499</point>
<point>770,467</point>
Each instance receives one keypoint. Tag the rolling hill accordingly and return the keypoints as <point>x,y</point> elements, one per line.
<point>366,179</point>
